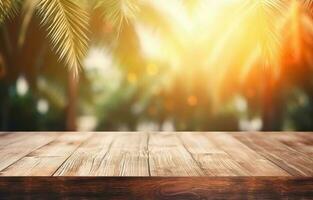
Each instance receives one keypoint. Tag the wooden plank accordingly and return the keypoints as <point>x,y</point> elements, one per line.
<point>302,142</point>
<point>213,160</point>
<point>168,157</point>
<point>127,156</point>
<point>47,159</point>
<point>3,133</point>
<point>87,159</point>
<point>109,154</point>
<point>12,152</point>
<point>292,161</point>
<point>253,163</point>
<point>13,137</point>
<point>307,135</point>
<point>161,154</point>
<point>156,188</point>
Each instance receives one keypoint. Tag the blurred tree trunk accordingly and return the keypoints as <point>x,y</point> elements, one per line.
<point>72,103</point>
<point>272,104</point>
<point>7,60</point>
<point>5,107</point>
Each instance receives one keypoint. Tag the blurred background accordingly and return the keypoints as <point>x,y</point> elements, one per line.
<point>163,65</point>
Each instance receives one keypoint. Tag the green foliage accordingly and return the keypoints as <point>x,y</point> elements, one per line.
<point>138,98</point>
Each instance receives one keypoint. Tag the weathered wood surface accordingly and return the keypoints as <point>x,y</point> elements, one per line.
<point>296,163</point>
<point>166,165</point>
<point>155,188</point>
<point>156,154</point>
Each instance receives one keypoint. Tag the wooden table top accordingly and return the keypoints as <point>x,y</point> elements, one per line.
<point>160,154</point>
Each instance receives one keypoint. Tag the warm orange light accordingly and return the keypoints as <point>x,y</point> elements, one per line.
<point>192,100</point>
<point>226,40</point>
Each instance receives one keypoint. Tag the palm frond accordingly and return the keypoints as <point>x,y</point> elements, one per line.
<point>119,11</point>
<point>308,4</point>
<point>66,23</point>
<point>268,15</point>
<point>8,8</point>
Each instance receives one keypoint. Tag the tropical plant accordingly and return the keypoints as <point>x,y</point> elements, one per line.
<point>66,22</point>
<point>7,9</point>
<point>260,40</point>
<point>278,20</point>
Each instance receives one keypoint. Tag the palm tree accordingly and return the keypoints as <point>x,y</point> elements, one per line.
<point>275,23</point>
<point>271,15</point>
<point>66,23</point>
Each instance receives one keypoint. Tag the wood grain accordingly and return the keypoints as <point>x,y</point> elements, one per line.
<point>156,188</point>
<point>127,156</point>
<point>180,166</point>
<point>292,161</point>
<point>14,137</point>
<point>109,154</point>
<point>168,157</point>
<point>47,159</point>
<point>213,160</point>
<point>253,163</point>
<point>156,154</point>
<point>88,158</point>
<point>302,142</point>
<point>14,150</point>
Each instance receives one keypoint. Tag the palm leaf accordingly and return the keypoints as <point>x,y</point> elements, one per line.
<point>66,23</point>
<point>268,13</point>
<point>119,11</point>
<point>8,8</point>
<point>308,4</point>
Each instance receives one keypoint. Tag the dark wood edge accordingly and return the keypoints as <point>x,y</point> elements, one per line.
<point>143,188</point>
